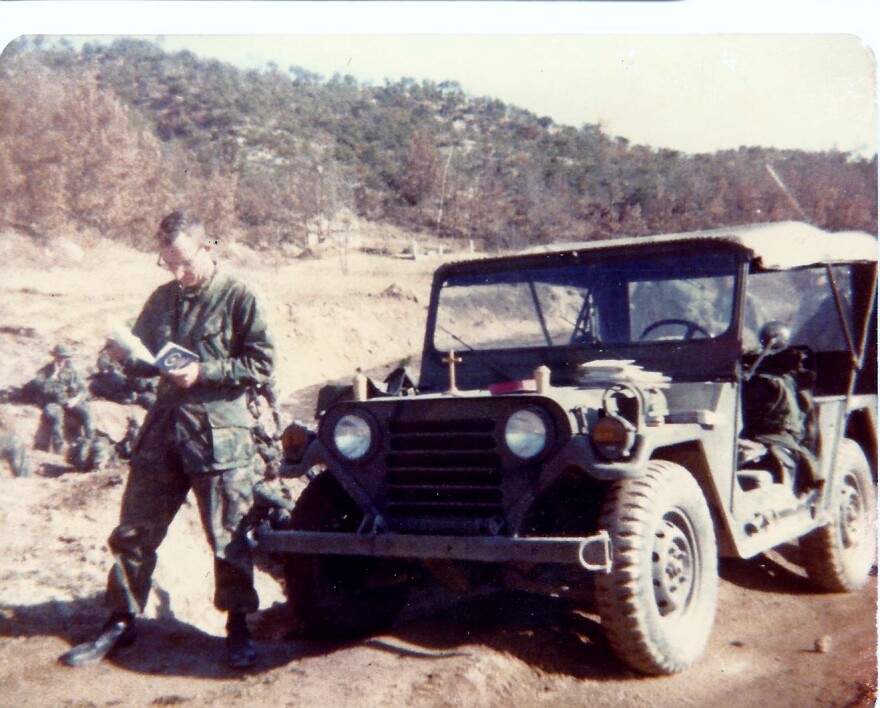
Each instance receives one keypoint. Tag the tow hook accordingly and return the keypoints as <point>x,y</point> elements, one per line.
<point>594,553</point>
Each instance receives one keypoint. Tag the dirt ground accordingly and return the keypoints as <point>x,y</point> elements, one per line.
<point>331,315</point>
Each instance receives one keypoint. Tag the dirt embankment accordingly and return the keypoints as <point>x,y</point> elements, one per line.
<point>509,650</point>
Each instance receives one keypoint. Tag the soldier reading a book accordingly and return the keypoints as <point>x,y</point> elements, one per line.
<point>196,436</point>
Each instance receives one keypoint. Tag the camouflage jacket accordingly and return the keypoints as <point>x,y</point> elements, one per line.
<point>778,399</point>
<point>210,423</point>
<point>55,385</point>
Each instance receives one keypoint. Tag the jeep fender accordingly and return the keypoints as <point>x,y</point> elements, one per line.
<point>578,452</point>
<point>655,443</point>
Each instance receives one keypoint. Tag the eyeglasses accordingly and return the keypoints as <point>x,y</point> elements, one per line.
<point>175,268</point>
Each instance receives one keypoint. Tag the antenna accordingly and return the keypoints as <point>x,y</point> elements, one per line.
<point>787,193</point>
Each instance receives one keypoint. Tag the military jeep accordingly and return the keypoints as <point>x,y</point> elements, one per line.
<point>602,421</point>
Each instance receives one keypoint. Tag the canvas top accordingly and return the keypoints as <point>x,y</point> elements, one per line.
<point>780,245</point>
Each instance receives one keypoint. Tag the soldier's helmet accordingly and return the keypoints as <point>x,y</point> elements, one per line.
<point>62,351</point>
<point>775,336</point>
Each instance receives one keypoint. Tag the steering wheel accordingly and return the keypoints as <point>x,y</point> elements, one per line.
<point>691,328</point>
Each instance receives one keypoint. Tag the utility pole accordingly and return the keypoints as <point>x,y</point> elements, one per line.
<point>787,193</point>
<point>443,186</point>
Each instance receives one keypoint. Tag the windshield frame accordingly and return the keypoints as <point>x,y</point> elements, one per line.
<point>694,359</point>
<point>600,302</point>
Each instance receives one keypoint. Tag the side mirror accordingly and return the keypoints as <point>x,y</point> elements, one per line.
<point>774,336</point>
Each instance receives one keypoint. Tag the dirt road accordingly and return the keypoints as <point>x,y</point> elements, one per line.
<point>509,649</point>
<point>500,650</point>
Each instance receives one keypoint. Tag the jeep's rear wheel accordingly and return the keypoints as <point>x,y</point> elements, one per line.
<point>838,556</point>
<point>337,597</point>
<point>657,605</point>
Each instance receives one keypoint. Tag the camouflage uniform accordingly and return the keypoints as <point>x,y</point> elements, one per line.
<point>779,411</point>
<point>125,446</point>
<point>12,449</point>
<point>272,499</point>
<point>94,453</point>
<point>60,390</point>
<point>266,442</point>
<point>196,438</point>
<point>111,384</point>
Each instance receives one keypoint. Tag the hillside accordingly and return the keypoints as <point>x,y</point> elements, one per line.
<point>102,140</point>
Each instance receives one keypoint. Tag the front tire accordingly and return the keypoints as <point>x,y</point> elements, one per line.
<point>657,605</point>
<point>838,557</point>
<point>332,596</point>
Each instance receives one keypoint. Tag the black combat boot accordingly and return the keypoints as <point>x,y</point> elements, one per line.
<point>117,632</point>
<point>240,650</point>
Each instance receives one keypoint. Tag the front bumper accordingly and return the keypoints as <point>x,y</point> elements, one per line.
<point>593,553</point>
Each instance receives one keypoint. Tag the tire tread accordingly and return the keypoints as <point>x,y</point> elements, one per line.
<point>626,514</point>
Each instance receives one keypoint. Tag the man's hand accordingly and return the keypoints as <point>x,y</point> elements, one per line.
<point>185,376</point>
<point>75,401</point>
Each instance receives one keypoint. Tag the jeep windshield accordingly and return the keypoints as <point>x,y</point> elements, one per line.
<point>598,303</point>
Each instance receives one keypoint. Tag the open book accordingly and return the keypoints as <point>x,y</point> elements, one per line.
<point>169,357</point>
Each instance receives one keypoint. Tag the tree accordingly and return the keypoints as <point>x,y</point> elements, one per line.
<point>102,138</point>
<point>72,158</point>
<point>421,169</point>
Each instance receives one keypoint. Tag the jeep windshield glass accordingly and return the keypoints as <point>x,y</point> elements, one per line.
<point>619,302</point>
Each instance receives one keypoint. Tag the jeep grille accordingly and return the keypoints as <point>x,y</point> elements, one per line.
<point>443,469</point>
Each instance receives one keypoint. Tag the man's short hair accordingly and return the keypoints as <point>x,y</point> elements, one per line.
<point>176,223</point>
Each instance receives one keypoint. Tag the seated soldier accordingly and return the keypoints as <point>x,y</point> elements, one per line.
<point>12,449</point>
<point>112,384</point>
<point>89,454</point>
<point>60,391</point>
<point>778,409</point>
<point>109,382</point>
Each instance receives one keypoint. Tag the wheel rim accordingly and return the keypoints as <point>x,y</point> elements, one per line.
<point>852,513</point>
<point>674,565</point>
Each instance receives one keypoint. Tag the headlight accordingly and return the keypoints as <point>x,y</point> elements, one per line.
<point>352,436</point>
<point>613,437</point>
<point>525,433</point>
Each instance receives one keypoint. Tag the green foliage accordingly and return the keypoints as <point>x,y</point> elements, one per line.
<point>109,137</point>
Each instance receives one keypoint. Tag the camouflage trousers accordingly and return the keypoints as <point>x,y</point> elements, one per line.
<point>152,497</point>
<point>58,424</point>
<point>13,450</point>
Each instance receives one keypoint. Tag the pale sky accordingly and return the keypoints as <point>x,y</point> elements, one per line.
<point>702,90</point>
<point>692,93</point>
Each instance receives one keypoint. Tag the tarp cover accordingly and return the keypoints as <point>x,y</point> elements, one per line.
<point>781,245</point>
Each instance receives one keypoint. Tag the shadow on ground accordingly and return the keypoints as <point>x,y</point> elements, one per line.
<point>778,571</point>
<point>54,471</point>
<point>164,646</point>
<point>547,633</point>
